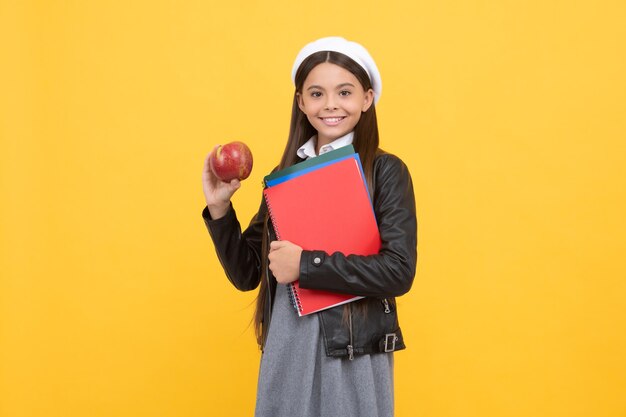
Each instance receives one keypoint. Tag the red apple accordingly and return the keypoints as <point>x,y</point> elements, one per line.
<point>230,161</point>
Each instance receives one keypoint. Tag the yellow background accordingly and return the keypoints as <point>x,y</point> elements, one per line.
<point>510,115</point>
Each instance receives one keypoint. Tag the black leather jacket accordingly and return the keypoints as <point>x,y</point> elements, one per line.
<point>379,278</point>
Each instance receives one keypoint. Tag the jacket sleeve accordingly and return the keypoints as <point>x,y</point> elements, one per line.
<point>390,273</point>
<point>239,253</point>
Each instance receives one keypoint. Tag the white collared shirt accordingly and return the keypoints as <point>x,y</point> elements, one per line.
<point>307,150</point>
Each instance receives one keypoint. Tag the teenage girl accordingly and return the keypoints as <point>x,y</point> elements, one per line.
<point>338,362</point>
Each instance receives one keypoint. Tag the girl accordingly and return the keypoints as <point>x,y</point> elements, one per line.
<point>338,362</point>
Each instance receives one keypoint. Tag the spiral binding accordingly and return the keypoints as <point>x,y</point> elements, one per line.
<point>291,290</point>
<point>269,211</point>
<point>294,298</point>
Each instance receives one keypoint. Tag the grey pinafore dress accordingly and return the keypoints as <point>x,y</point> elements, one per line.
<point>297,379</point>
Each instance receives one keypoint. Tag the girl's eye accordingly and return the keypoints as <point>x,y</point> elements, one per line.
<point>316,94</point>
<point>344,93</point>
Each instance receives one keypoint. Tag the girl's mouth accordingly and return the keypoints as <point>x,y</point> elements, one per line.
<point>332,121</point>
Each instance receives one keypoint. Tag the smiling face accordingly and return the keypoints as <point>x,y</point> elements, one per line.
<point>333,99</point>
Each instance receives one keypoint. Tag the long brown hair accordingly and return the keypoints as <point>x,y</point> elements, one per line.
<point>365,143</point>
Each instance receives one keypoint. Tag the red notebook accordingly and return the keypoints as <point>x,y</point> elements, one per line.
<point>326,209</point>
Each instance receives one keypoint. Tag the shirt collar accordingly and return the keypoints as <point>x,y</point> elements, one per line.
<point>307,150</point>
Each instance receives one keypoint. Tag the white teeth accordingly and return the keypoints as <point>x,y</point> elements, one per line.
<point>333,119</point>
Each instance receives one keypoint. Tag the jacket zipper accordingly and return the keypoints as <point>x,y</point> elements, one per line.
<point>351,345</point>
<point>386,304</point>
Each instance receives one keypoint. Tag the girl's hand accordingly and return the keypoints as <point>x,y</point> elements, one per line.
<point>284,260</point>
<point>217,192</point>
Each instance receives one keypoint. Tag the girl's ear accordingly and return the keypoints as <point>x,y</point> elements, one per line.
<point>369,99</point>
<point>300,101</point>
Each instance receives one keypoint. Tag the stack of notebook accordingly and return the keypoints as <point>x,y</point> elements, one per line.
<point>323,204</point>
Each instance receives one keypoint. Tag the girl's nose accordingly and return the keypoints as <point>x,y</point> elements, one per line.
<point>330,102</point>
<point>330,105</point>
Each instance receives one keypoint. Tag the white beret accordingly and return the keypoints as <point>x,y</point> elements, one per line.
<point>353,50</point>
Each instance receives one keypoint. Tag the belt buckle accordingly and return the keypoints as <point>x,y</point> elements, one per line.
<point>393,338</point>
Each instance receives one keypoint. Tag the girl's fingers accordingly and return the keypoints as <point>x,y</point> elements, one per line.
<point>207,166</point>
<point>276,244</point>
<point>279,244</point>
